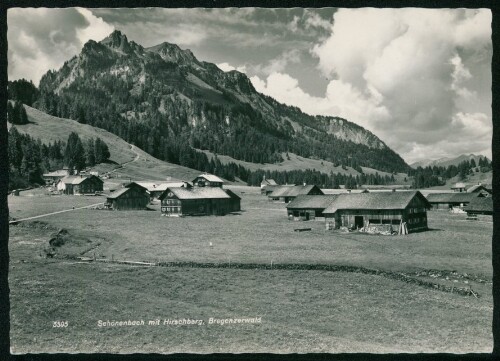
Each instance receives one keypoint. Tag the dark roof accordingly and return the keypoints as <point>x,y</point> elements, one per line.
<point>304,201</point>
<point>197,193</point>
<point>480,204</point>
<point>293,191</point>
<point>451,197</point>
<point>378,201</point>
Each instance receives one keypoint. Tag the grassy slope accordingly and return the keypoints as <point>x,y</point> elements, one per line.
<point>145,166</point>
<point>476,178</point>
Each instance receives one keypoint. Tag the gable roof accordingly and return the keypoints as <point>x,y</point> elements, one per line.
<point>481,204</point>
<point>57,173</point>
<point>210,178</point>
<point>312,201</point>
<point>294,191</point>
<point>77,179</point>
<point>476,188</point>
<point>375,201</point>
<point>196,193</point>
<point>458,185</point>
<point>118,193</point>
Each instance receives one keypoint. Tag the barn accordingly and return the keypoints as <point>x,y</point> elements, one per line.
<point>309,207</point>
<point>127,199</point>
<point>459,187</point>
<point>267,190</point>
<point>198,201</point>
<point>448,201</point>
<point>287,194</point>
<point>208,180</point>
<point>79,184</point>
<point>480,205</point>
<point>377,209</point>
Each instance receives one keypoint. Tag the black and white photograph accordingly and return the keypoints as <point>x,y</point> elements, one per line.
<point>250,180</point>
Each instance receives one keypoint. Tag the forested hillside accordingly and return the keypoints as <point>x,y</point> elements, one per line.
<point>165,101</point>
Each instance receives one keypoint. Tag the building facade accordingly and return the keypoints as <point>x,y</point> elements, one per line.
<point>133,198</point>
<point>80,185</point>
<point>360,211</point>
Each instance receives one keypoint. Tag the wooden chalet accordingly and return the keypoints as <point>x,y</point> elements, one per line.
<point>287,194</point>
<point>448,201</point>
<point>309,207</point>
<point>480,205</point>
<point>199,201</point>
<point>79,184</point>
<point>377,209</point>
<point>127,199</point>
<point>267,190</point>
<point>208,180</point>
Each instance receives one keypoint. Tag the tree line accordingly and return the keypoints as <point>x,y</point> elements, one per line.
<point>430,176</point>
<point>29,158</point>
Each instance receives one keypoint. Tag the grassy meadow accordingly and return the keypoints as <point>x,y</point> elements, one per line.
<point>301,310</point>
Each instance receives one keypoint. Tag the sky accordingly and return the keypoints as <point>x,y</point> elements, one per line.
<point>419,79</point>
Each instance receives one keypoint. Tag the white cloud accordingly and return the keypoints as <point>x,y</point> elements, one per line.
<point>227,67</point>
<point>341,99</point>
<point>313,20</point>
<point>42,39</point>
<point>425,68</point>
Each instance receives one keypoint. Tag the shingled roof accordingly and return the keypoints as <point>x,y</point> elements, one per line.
<point>196,193</point>
<point>305,201</point>
<point>292,191</point>
<point>376,201</point>
<point>117,193</point>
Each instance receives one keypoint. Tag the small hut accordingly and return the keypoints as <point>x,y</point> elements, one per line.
<point>309,207</point>
<point>131,198</point>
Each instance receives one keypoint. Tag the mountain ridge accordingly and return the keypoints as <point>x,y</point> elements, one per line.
<point>123,87</point>
<point>447,161</point>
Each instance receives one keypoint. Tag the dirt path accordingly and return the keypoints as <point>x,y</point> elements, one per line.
<point>137,156</point>
<point>52,213</point>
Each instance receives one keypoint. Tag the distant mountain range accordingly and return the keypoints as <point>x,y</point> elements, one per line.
<point>165,101</point>
<point>445,162</point>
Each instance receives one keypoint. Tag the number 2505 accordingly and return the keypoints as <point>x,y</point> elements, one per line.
<point>60,324</point>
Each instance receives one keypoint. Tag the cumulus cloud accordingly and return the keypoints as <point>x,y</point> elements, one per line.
<point>227,67</point>
<point>427,69</point>
<point>42,39</point>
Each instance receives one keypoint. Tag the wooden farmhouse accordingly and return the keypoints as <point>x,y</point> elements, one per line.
<point>267,190</point>
<point>448,201</point>
<point>127,199</point>
<point>208,180</point>
<point>480,205</point>
<point>287,194</point>
<point>199,201</point>
<point>381,208</point>
<point>156,189</point>
<point>309,207</point>
<point>79,184</point>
